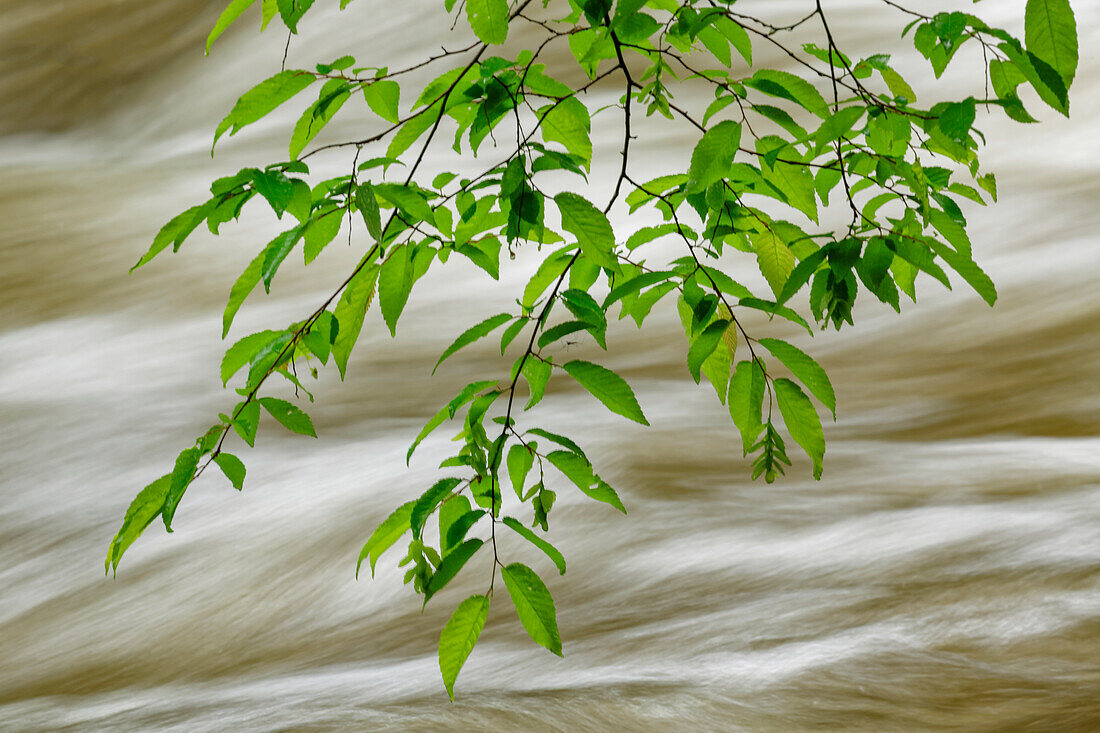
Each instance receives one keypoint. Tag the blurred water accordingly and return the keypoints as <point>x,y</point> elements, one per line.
<point>943,575</point>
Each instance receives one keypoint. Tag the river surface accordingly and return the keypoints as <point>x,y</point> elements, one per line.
<point>943,575</point>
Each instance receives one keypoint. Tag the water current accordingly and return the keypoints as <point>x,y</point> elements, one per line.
<point>943,575</point>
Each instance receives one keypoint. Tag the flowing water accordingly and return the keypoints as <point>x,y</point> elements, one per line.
<point>943,575</point>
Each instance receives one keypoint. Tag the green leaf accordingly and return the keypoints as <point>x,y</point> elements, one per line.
<point>230,14</point>
<point>385,534</point>
<point>459,637</point>
<point>349,313</point>
<point>448,411</point>
<point>1050,32</point>
<point>775,258</point>
<point>175,231</point>
<point>569,123</point>
<point>317,115</point>
<point>578,470</point>
<point>320,231</point>
<point>244,285</point>
<point>534,539</point>
<point>289,416</point>
<point>450,566</point>
<point>383,97</point>
<point>428,502</point>
<point>590,226</point>
<point>520,460</point>
<point>277,251</point>
<point>560,440</point>
<point>472,334</point>
<point>537,372</point>
<point>262,99</point>
<point>246,421</point>
<point>489,19</point>
<point>242,352</point>
<point>232,467</point>
<point>801,420</point>
<point>395,281</point>
<point>713,155</point>
<point>746,398</point>
<point>968,269</point>
<point>186,463</point>
<point>145,507</point>
<point>608,387</point>
<point>803,366</point>
<point>704,345</point>
<point>367,204</point>
<point>534,605</point>
<point>788,86</point>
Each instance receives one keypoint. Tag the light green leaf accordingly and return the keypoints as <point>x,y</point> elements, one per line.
<point>230,14</point>
<point>608,387</point>
<point>590,226</point>
<point>551,551</point>
<point>232,467</point>
<point>244,285</point>
<point>186,463</point>
<point>289,416</point>
<point>713,155</point>
<point>803,366</point>
<point>317,115</point>
<point>578,470</point>
<point>1050,32</point>
<point>775,258</point>
<point>383,97</point>
<point>262,99</point>
<point>537,372</point>
<point>746,400</point>
<point>428,502</point>
<point>175,231</point>
<point>395,280</point>
<point>968,269</point>
<point>145,507</point>
<point>704,345</point>
<point>801,420</point>
<point>520,460</point>
<point>788,86</point>
<point>534,605</point>
<point>320,231</point>
<point>450,566</point>
<point>452,511</point>
<point>489,19</point>
<point>242,352</point>
<point>568,123</point>
<point>459,637</point>
<point>472,334</point>
<point>385,534</point>
<point>349,313</point>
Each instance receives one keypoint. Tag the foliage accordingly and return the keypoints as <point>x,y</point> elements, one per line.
<point>776,150</point>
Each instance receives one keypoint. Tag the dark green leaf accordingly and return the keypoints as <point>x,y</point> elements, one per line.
<point>450,566</point>
<point>428,501</point>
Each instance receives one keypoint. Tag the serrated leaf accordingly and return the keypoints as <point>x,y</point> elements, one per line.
<point>395,280</point>
<point>316,116</point>
<point>186,463</point>
<point>520,460</point>
<point>489,19</point>
<point>537,372</point>
<point>1050,32</point>
<point>803,366</point>
<point>383,97</point>
<point>459,637</point>
<point>570,124</point>
<point>745,401</point>
<point>472,334</point>
<point>450,566</point>
<point>590,226</point>
<point>608,387</point>
<point>384,535</point>
<point>243,351</point>
<point>534,605</point>
<point>145,508</point>
<point>713,155</point>
<point>262,99</point>
<point>230,14</point>
<point>704,345</point>
<point>428,502</point>
<point>245,284</point>
<point>775,258</point>
<point>788,86</point>
<point>349,313</point>
<point>801,420</point>
<point>551,551</point>
<point>578,470</point>
<point>288,415</point>
<point>232,467</point>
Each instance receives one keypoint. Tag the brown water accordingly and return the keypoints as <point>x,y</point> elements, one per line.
<point>944,574</point>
